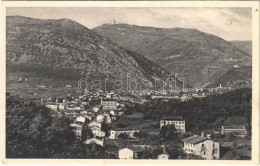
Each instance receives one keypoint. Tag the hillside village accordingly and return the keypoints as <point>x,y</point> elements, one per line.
<point>94,115</point>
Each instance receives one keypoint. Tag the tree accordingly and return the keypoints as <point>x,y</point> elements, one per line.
<point>168,132</point>
<point>140,134</point>
<point>122,125</point>
<point>33,132</point>
<point>105,128</point>
<point>123,136</point>
<point>86,132</point>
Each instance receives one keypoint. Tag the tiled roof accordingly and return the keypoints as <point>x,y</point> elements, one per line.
<point>195,139</point>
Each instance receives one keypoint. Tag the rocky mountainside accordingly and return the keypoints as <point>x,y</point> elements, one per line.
<point>245,46</point>
<point>200,58</point>
<point>65,45</point>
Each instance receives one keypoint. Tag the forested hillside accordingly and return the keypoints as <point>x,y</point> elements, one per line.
<point>32,132</point>
<point>231,108</point>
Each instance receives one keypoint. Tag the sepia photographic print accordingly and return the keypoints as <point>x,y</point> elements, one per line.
<point>130,82</point>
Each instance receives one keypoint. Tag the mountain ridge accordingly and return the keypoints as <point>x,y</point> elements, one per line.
<point>66,44</point>
<point>245,45</point>
<point>197,56</point>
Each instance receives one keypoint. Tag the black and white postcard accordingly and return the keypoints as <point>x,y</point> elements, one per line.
<point>130,82</point>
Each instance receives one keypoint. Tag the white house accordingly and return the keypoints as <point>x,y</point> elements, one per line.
<point>201,146</point>
<point>80,119</point>
<point>94,124</point>
<point>130,152</point>
<point>112,112</point>
<point>83,112</point>
<point>107,118</point>
<point>95,109</point>
<point>115,133</point>
<point>77,128</point>
<point>177,122</point>
<point>52,106</point>
<point>98,133</point>
<point>100,118</point>
<point>109,104</point>
<point>62,107</point>
<point>163,157</point>
<point>126,154</point>
<point>238,130</point>
<point>120,113</point>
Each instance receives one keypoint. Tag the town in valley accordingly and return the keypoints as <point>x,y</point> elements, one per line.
<point>120,88</point>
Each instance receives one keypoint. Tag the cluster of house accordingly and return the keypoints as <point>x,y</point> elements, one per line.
<point>99,109</point>
<point>188,94</point>
<point>197,145</point>
<point>94,126</point>
<point>89,106</point>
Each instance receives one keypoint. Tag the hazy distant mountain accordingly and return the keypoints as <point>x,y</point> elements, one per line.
<point>199,57</point>
<point>245,46</point>
<point>64,44</point>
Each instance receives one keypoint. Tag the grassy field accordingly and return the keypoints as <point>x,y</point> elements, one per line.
<point>55,87</point>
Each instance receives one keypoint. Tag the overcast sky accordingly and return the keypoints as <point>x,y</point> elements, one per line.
<point>227,23</point>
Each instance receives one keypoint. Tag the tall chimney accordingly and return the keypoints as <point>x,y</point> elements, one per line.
<point>202,133</point>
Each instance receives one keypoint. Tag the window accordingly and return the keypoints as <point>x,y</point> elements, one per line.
<point>202,145</point>
<point>204,152</point>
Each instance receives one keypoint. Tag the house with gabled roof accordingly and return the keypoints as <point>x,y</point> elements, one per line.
<point>94,124</point>
<point>202,146</point>
<point>129,153</point>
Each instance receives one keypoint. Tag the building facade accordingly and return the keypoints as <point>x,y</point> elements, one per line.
<point>115,133</point>
<point>238,130</point>
<point>109,104</point>
<point>98,133</point>
<point>201,146</point>
<point>126,154</point>
<point>52,106</point>
<point>177,122</point>
<point>163,157</point>
<point>94,124</point>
